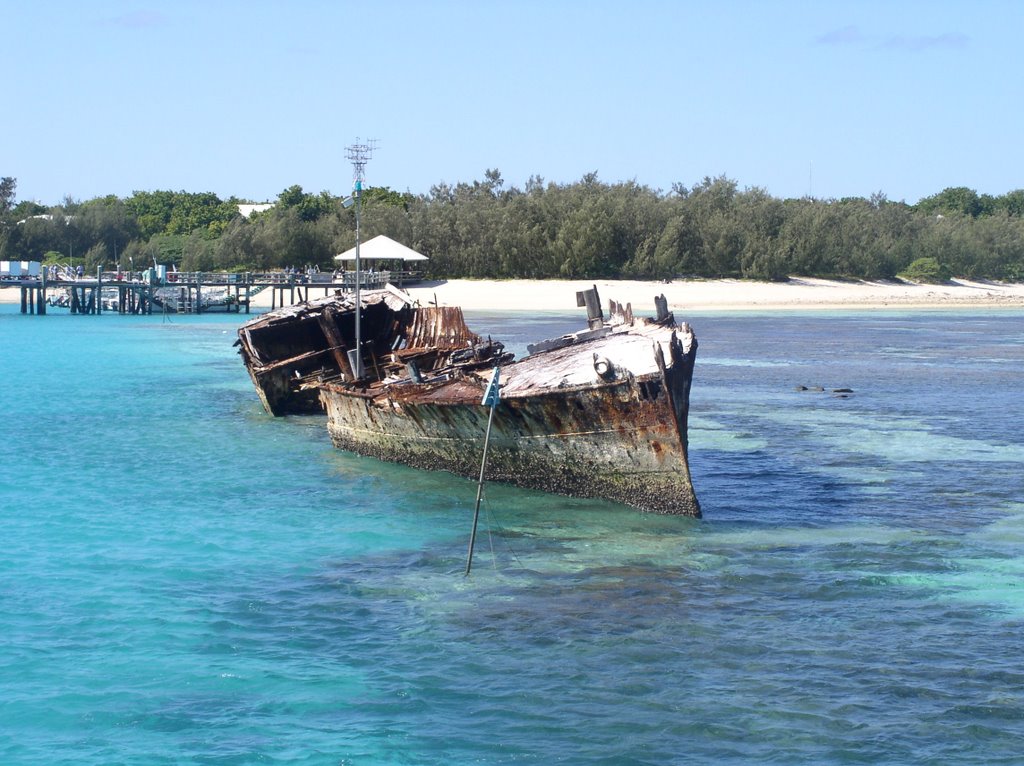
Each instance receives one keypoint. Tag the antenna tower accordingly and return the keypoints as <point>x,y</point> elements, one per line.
<point>359,154</point>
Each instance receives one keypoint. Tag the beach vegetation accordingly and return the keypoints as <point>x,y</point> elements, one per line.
<point>588,229</point>
<point>927,270</point>
<point>95,257</point>
<point>8,185</point>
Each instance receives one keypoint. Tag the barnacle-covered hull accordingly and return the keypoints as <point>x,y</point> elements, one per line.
<point>604,415</point>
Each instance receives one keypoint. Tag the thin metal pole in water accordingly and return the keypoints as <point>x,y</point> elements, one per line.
<point>492,395</point>
<point>479,492</point>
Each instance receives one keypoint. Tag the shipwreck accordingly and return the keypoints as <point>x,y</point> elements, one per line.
<point>597,413</point>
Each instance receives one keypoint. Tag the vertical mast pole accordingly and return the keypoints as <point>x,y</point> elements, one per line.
<point>359,278</point>
<point>491,398</point>
<point>479,493</point>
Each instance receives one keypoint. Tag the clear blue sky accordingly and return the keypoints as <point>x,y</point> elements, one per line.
<point>247,98</point>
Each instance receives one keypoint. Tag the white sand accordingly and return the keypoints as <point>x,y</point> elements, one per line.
<point>698,295</point>
<point>720,294</point>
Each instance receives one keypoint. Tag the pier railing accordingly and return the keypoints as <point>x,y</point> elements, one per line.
<point>187,291</point>
<point>370,278</point>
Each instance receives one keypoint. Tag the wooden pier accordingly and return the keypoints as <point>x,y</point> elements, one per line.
<point>183,292</point>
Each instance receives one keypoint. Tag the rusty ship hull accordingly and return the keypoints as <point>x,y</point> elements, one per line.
<point>621,439</point>
<point>599,413</point>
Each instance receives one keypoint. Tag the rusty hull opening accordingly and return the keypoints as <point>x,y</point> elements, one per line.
<point>406,343</point>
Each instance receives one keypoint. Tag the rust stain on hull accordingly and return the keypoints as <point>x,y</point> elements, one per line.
<point>581,444</point>
<point>601,413</point>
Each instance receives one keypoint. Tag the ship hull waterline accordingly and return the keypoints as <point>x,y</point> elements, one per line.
<point>622,440</point>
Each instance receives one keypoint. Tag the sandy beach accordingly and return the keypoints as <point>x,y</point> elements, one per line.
<point>721,294</point>
<point>712,295</point>
<point>699,295</point>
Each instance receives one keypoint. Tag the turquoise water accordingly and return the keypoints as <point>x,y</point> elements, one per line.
<point>186,580</point>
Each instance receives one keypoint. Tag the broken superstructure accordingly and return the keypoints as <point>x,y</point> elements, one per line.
<point>290,353</point>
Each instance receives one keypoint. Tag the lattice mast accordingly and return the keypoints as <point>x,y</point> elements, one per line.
<point>359,154</point>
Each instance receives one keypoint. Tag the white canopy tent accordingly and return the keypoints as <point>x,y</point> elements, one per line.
<point>382,248</point>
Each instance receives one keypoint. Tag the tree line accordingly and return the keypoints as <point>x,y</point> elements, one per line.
<point>587,229</point>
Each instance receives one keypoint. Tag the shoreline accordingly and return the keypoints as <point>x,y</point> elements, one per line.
<point>799,293</point>
<point>722,294</point>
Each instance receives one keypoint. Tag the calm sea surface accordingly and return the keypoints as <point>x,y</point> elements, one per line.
<point>184,579</point>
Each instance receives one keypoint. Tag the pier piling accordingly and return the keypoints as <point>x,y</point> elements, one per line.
<point>181,292</point>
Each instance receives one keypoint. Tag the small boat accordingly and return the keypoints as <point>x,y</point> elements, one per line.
<point>179,300</point>
<point>597,413</point>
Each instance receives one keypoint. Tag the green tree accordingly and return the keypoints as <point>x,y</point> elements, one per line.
<point>955,200</point>
<point>760,217</point>
<point>586,242</point>
<point>107,220</point>
<point>198,252</point>
<point>927,270</point>
<point>309,207</point>
<point>167,212</point>
<point>1011,202</point>
<point>26,209</point>
<point>152,211</point>
<point>8,186</point>
<point>165,249</point>
<point>96,257</point>
<point>204,213</point>
<point>680,249</point>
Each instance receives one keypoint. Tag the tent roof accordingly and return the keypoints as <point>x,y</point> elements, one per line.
<point>381,248</point>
